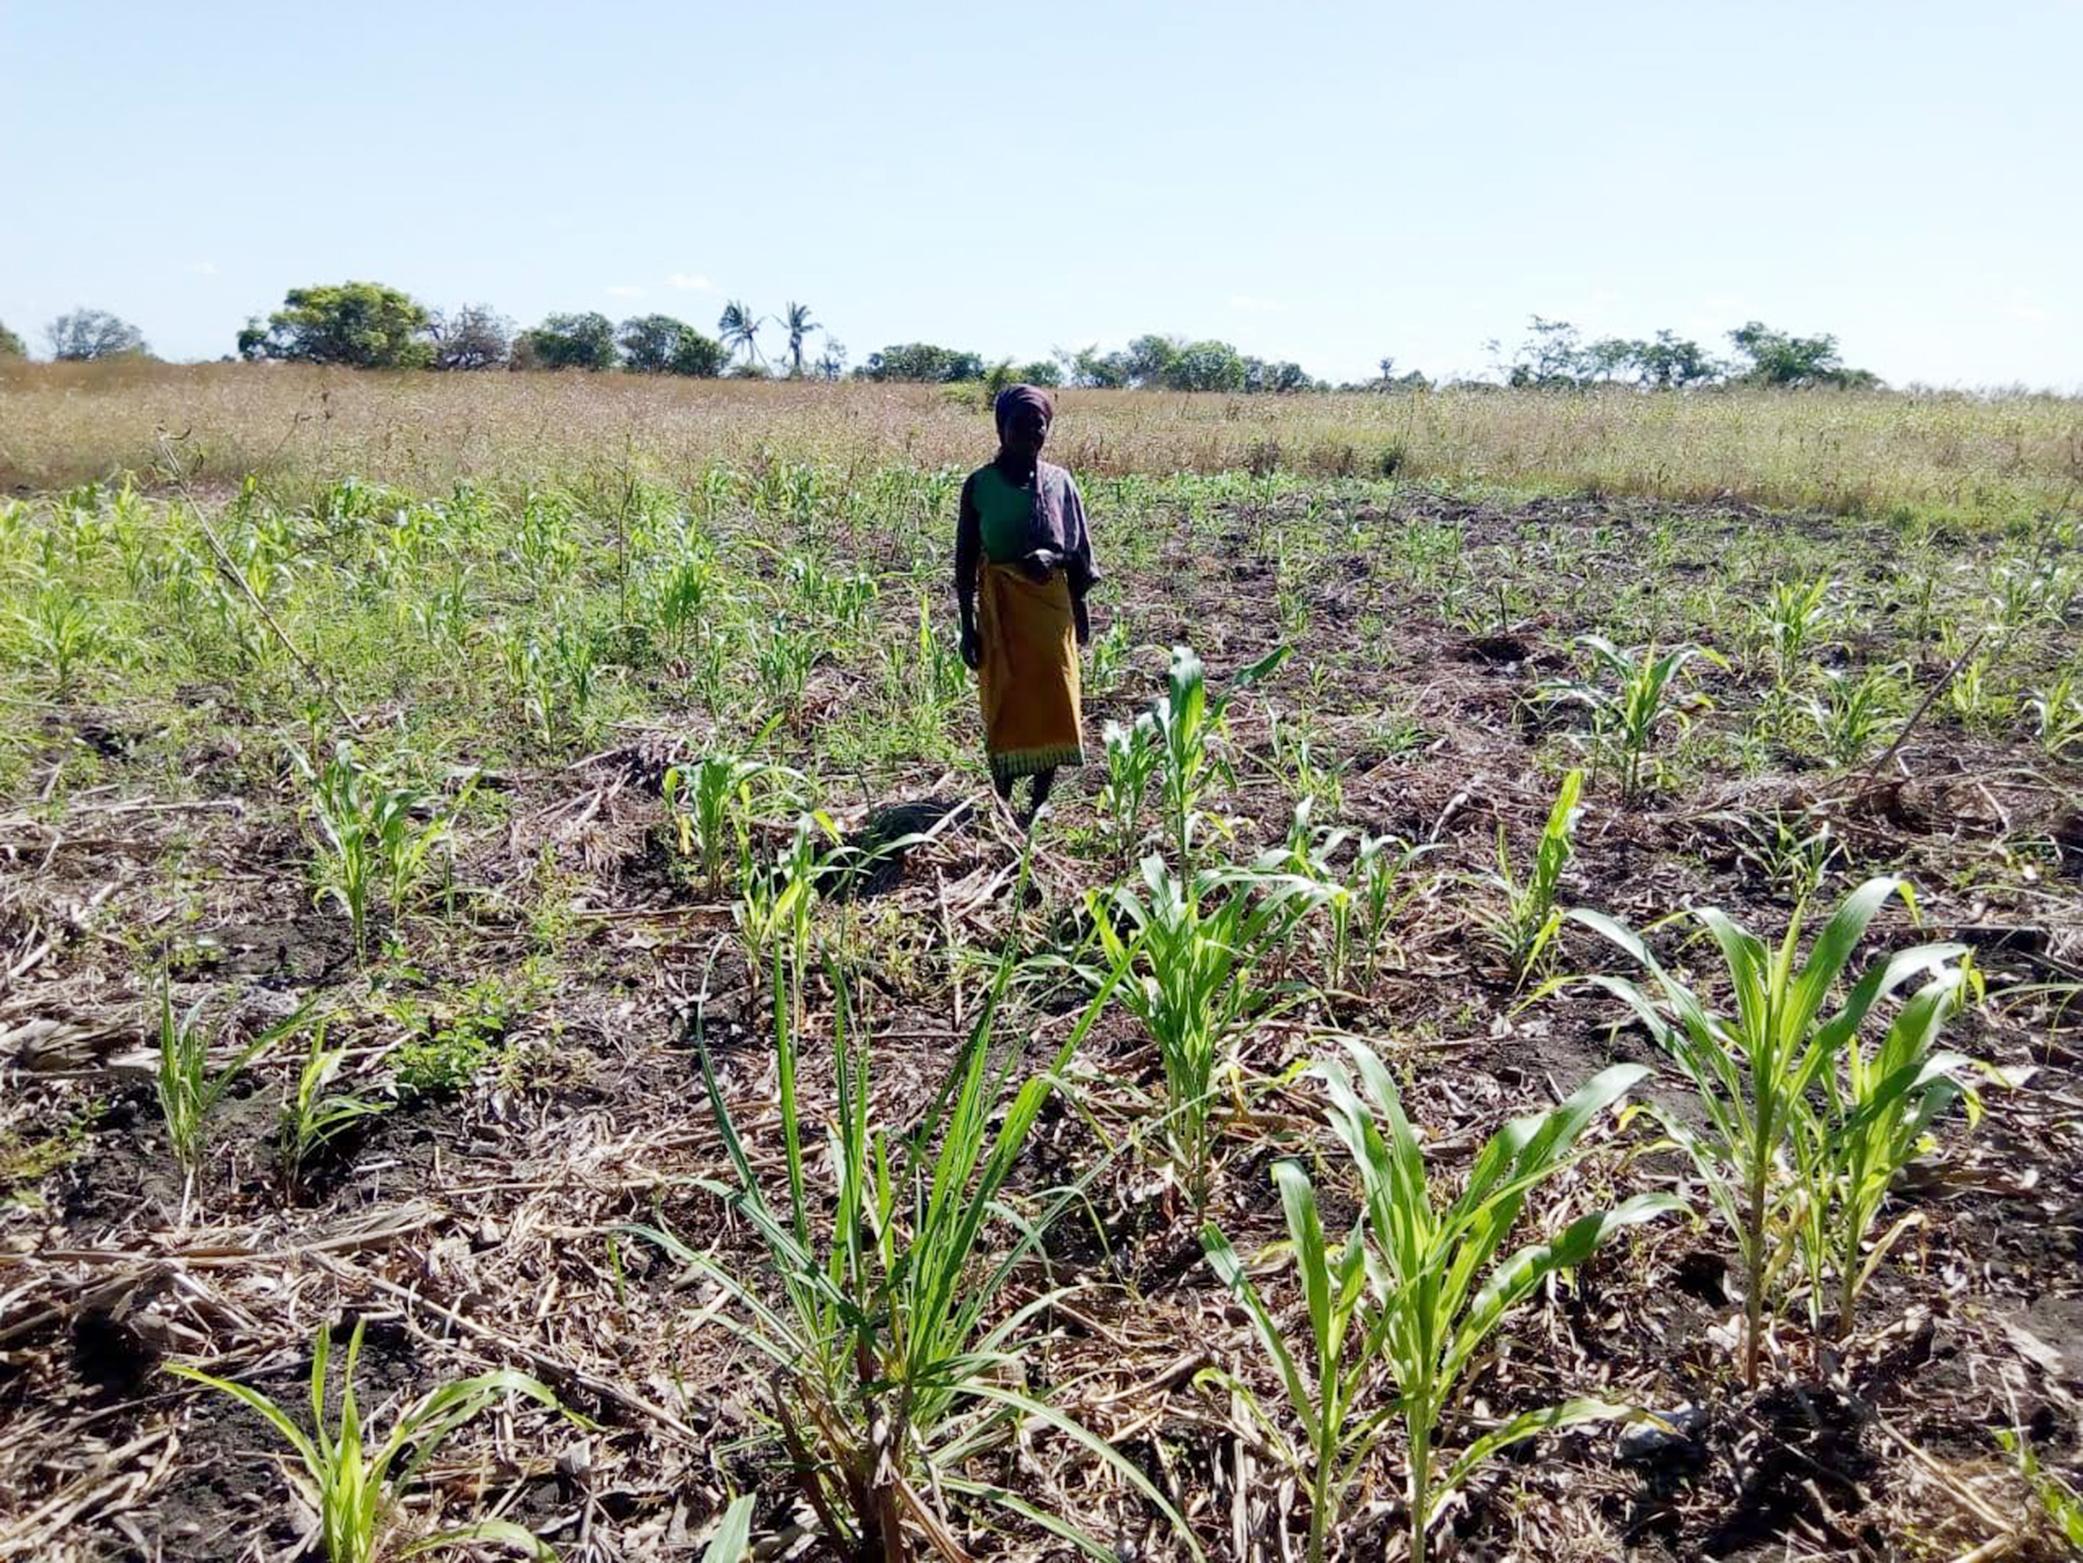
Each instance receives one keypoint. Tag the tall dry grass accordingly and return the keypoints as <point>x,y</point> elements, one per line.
<point>1838,451</point>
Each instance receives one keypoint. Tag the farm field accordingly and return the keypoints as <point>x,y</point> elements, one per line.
<point>500,870</point>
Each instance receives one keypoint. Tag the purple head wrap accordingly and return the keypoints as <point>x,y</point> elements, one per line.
<point>1014,397</point>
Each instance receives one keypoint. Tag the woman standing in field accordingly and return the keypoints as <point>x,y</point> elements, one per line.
<point>1023,567</point>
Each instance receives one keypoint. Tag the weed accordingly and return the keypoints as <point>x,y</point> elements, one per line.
<point>885,1372</point>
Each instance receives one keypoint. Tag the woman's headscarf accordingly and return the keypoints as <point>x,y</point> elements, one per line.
<point>1014,397</point>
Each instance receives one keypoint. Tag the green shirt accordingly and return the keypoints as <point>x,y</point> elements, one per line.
<point>1005,515</point>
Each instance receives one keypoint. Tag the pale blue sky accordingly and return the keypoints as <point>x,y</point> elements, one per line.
<point>1323,182</point>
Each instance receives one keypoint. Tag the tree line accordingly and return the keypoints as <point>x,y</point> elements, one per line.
<point>368,325</point>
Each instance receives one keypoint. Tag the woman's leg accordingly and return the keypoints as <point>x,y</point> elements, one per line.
<point>1043,782</point>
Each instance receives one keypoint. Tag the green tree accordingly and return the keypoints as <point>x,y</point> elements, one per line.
<point>739,327</point>
<point>1671,363</point>
<point>697,356</point>
<point>1278,378</point>
<point>585,341</point>
<point>473,337</point>
<point>94,333</point>
<point>659,344</point>
<point>921,361</point>
<point>831,363</point>
<point>1794,362</point>
<point>1101,371</point>
<point>1205,366</point>
<point>363,325</point>
<point>1041,372</point>
<point>1148,357</point>
<point>1550,357</point>
<point>11,345</point>
<point>796,321</point>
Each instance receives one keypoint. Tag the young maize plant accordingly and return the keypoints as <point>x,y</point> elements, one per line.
<point>889,1374</point>
<point>1381,887</point>
<point>1400,1293</point>
<point>1528,920</point>
<point>1872,1118</point>
<point>1133,758</point>
<point>313,1116</point>
<point>356,1483</point>
<point>1641,700</point>
<point>372,841</point>
<point>189,1090</point>
<point>775,902</point>
<point>1752,1071</point>
<point>1187,970</point>
<point>1792,622</point>
<point>1184,718</point>
<point>2057,714</point>
<point>712,805</point>
<point>63,633</point>
<point>1851,714</point>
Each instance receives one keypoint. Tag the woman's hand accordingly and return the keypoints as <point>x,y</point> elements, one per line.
<point>972,648</point>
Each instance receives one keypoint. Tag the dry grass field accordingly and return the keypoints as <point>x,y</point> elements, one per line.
<point>1858,453</point>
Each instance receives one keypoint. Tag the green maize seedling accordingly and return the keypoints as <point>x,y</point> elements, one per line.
<point>1792,855</point>
<point>189,1090</point>
<point>1133,758</point>
<point>1529,919</point>
<point>1792,622</point>
<point>63,633</point>
<point>1187,971</point>
<point>1850,1148</point>
<point>712,805</point>
<point>1183,720</point>
<point>2057,713</point>
<point>1400,1292</point>
<point>314,1117</point>
<point>1851,714</point>
<point>355,1483</point>
<point>1752,1071</point>
<point>1641,699</point>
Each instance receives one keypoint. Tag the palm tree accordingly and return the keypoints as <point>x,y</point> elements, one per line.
<point>739,327</point>
<point>797,322</point>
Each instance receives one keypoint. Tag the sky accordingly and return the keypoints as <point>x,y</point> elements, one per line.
<point>1326,182</point>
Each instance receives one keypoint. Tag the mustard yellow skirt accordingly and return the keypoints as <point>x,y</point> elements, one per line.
<point>1028,680</point>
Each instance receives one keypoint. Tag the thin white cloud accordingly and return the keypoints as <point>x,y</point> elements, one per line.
<point>626,290</point>
<point>1256,306</point>
<point>201,268</point>
<point>2023,306</point>
<point>692,281</point>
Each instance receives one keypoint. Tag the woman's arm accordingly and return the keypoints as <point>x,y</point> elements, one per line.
<point>969,547</point>
<point>1078,562</point>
